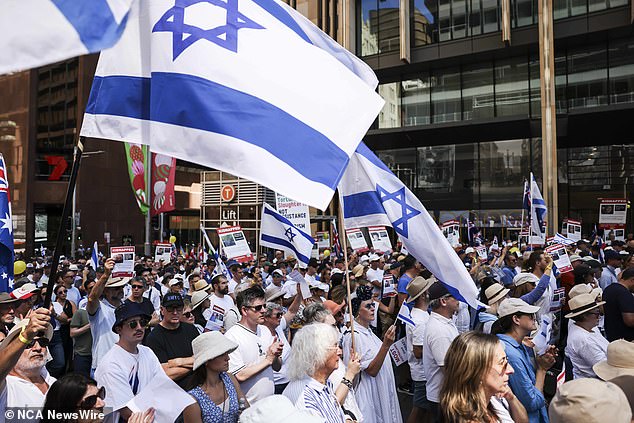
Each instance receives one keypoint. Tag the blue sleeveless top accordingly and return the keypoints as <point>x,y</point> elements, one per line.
<point>211,412</point>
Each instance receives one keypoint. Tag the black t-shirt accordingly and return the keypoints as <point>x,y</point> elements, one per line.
<point>617,300</point>
<point>168,344</point>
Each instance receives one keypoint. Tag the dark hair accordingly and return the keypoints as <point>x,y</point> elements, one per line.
<point>533,259</point>
<point>336,279</point>
<point>628,273</point>
<point>216,279</point>
<point>248,296</point>
<point>65,395</point>
<point>502,325</point>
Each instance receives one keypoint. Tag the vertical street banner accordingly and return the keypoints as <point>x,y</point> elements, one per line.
<point>163,178</point>
<point>137,157</point>
<point>451,230</point>
<point>294,211</point>
<point>234,244</point>
<point>357,240</point>
<point>123,261</point>
<point>380,239</point>
<point>613,211</point>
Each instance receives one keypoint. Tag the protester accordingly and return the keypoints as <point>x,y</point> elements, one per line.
<point>220,303</point>
<point>138,287</point>
<point>82,342</point>
<point>217,393</point>
<point>619,361</point>
<point>199,302</point>
<point>516,321</point>
<point>375,393</point>
<point>613,261</point>
<point>70,394</point>
<point>619,307</point>
<point>171,340</point>
<point>67,279</point>
<point>409,270</point>
<point>8,305</point>
<point>585,345</point>
<point>590,401</point>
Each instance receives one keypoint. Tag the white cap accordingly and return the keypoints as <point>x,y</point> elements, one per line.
<point>469,250</point>
<point>373,257</point>
<point>515,305</point>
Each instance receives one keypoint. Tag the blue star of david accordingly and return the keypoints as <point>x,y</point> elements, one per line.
<point>407,211</point>
<point>290,234</point>
<point>184,35</point>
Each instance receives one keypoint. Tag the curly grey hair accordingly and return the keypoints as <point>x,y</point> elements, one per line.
<point>310,350</point>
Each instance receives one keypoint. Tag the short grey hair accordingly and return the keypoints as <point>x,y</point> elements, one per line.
<point>271,307</point>
<point>311,346</point>
<point>315,313</point>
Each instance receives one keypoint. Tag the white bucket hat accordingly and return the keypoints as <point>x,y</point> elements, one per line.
<point>276,409</point>
<point>209,345</point>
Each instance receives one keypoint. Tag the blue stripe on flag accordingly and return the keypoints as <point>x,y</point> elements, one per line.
<point>284,220</point>
<point>275,240</point>
<point>198,103</point>
<point>405,319</point>
<point>539,202</point>
<point>362,204</point>
<point>85,16</point>
<point>282,15</point>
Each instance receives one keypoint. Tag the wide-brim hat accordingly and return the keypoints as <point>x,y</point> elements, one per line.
<point>583,288</point>
<point>276,409</point>
<point>272,293</point>
<point>201,285</point>
<point>417,287</point>
<point>127,310</point>
<point>6,298</point>
<point>357,270</point>
<point>495,293</point>
<point>589,400</point>
<point>581,304</point>
<point>116,282</point>
<point>17,329</point>
<point>199,297</point>
<point>209,345</point>
<point>620,360</point>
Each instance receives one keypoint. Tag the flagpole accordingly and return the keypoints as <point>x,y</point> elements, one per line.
<point>148,216</point>
<point>59,243</point>
<point>344,247</point>
<point>519,238</point>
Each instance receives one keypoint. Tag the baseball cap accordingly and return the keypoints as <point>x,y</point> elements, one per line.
<point>515,305</point>
<point>25,291</point>
<point>469,250</point>
<point>611,255</point>
<point>172,300</point>
<point>278,272</point>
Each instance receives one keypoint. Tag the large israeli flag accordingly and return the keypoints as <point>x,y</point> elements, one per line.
<point>373,195</point>
<point>38,32</point>
<point>538,214</point>
<point>249,87</point>
<point>278,232</point>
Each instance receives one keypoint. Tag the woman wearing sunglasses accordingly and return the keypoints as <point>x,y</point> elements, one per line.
<point>71,393</point>
<point>475,387</point>
<point>61,345</point>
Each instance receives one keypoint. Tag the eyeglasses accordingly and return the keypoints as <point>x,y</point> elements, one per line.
<point>370,305</point>
<point>279,315</point>
<point>188,314</point>
<point>174,309</point>
<point>134,323</point>
<point>44,342</point>
<point>136,286</point>
<point>91,400</point>
<point>504,364</point>
<point>61,291</point>
<point>258,307</point>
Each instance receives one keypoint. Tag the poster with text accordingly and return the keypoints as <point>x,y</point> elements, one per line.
<point>294,211</point>
<point>560,257</point>
<point>482,252</point>
<point>613,210</point>
<point>573,229</point>
<point>123,261</point>
<point>388,289</point>
<point>234,244</point>
<point>162,251</point>
<point>617,230</point>
<point>357,240</point>
<point>323,239</point>
<point>380,239</point>
<point>451,230</point>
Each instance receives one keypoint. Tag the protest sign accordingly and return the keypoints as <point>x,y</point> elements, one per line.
<point>234,244</point>
<point>560,257</point>
<point>388,286</point>
<point>451,231</point>
<point>294,211</point>
<point>123,261</point>
<point>357,240</point>
<point>557,299</point>
<point>162,251</point>
<point>216,319</point>
<point>380,239</point>
<point>617,230</point>
<point>613,210</point>
<point>303,285</point>
<point>163,395</point>
<point>482,252</point>
<point>323,239</point>
<point>572,229</point>
<point>398,351</point>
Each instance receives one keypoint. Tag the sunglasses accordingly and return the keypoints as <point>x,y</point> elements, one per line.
<point>136,286</point>
<point>369,306</point>
<point>259,307</point>
<point>134,323</point>
<point>188,314</point>
<point>90,401</point>
<point>44,342</point>
<point>61,291</point>
<point>279,315</point>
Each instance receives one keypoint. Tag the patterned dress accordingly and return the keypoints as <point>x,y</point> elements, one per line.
<point>211,412</point>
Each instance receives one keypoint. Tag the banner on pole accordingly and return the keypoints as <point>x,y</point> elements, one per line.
<point>137,157</point>
<point>234,244</point>
<point>380,239</point>
<point>613,210</point>
<point>163,179</point>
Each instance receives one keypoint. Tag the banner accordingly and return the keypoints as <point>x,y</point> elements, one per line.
<point>234,244</point>
<point>137,156</point>
<point>560,257</point>
<point>617,230</point>
<point>123,261</point>
<point>572,229</point>
<point>163,178</point>
<point>613,210</point>
<point>451,231</point>
<point>294,211</point>
<point>163,251</point>
<point>380,239</point>
<point>357,240</point>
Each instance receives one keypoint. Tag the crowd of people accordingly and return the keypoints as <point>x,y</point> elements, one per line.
<point>229,342</point>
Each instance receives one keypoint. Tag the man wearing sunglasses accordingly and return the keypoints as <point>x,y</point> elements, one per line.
<point>129,366</point>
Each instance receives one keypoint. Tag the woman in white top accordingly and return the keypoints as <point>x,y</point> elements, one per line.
<point>375,392</point>
<point>585,346</point>
<point>475,387</point>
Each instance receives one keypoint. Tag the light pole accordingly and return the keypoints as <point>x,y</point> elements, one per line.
<point>75,220</point>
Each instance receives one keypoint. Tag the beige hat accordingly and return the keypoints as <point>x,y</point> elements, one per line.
<point>209,345</point>
<point>116,282</point>
<point>620,360</point>
<point>589,401</point>
<point>276,409</point>
<point>495,293</point>
<point>201,285</point>
<point>17,329</point>
<point>199,297</point>
<point>417,286</point>
<point>522,278</point>
<point>357,270</point>
<point>515,305</point>
<point>273,292</point>
<point>583,288</point>
<point>582,303</point>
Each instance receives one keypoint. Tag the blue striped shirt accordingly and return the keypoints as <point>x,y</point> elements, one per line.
<point>309,395</point>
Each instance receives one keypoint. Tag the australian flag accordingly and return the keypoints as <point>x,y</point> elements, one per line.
<point>6,231</point>
<point>336,244</point>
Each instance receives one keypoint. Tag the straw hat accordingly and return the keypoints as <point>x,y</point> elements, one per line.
<point>583,288</point>
<point>273,292</point>
<point>201,285</point>
<point>209,345</point>
<point>417,286</point>
<point>582,303</point>
<point>116,282</point>
<point>357,270</point>
<point>590,401</point>
<point>199,297</point>
<point>495,293</point>
<point>17,329</point>
<point>620,360</point>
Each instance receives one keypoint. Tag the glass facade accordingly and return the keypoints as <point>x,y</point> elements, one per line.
<point>595,75</point>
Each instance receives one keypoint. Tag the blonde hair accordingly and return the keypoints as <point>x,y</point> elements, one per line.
<point>468,360</point>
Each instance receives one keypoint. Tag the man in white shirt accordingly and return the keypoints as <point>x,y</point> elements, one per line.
<point>375,274</point>
<point>220,303</point>
<point>439,334</point>
<point>72,293</point>
<point>105,297</point>
<point>236,276</point>
<point>129,366</point>
<point>417,291</point>
<point>252,363</point>
<point>311,271</point>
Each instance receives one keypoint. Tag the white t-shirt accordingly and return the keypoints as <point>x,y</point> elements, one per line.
<point>439,334</point>
<point>17,392</point>
<point>280,377</point>
<point>416,336</point>
<point>501,407</point>
<point>232,285</point>
<point>251,350</point>
<point>103,338</point>
<point>289,288</point>
<point>585,349</point>
<point>217,310</point>
<point>120,370</point>
<point>59,309</point>
<point>375,275</point>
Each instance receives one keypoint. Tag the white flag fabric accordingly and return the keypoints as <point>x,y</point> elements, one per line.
<point>560,239</point>
<point>249,87</point>
<point>538,214</point>
<point>94,258</point>
<point>278,232</point>
<point>373,195</point>
<point>39,32</point>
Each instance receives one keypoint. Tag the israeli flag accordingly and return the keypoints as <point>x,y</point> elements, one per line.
<point>278,232</point>
<point>38,32</point>
<point>372,195</point>
<point>94,258</point>
<point>560,239</point>
<point>250,87</point>
<point>538,214</point>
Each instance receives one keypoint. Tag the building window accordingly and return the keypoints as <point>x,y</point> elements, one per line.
<point>587,77</point>
<point>478,96</point>
<point>423,22</point>
<point>622,71</point>
<point>511,87</point>
<point>390,115</point>
<point>446,96</point>
<point>379,24</point>
<point>415,101</point>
